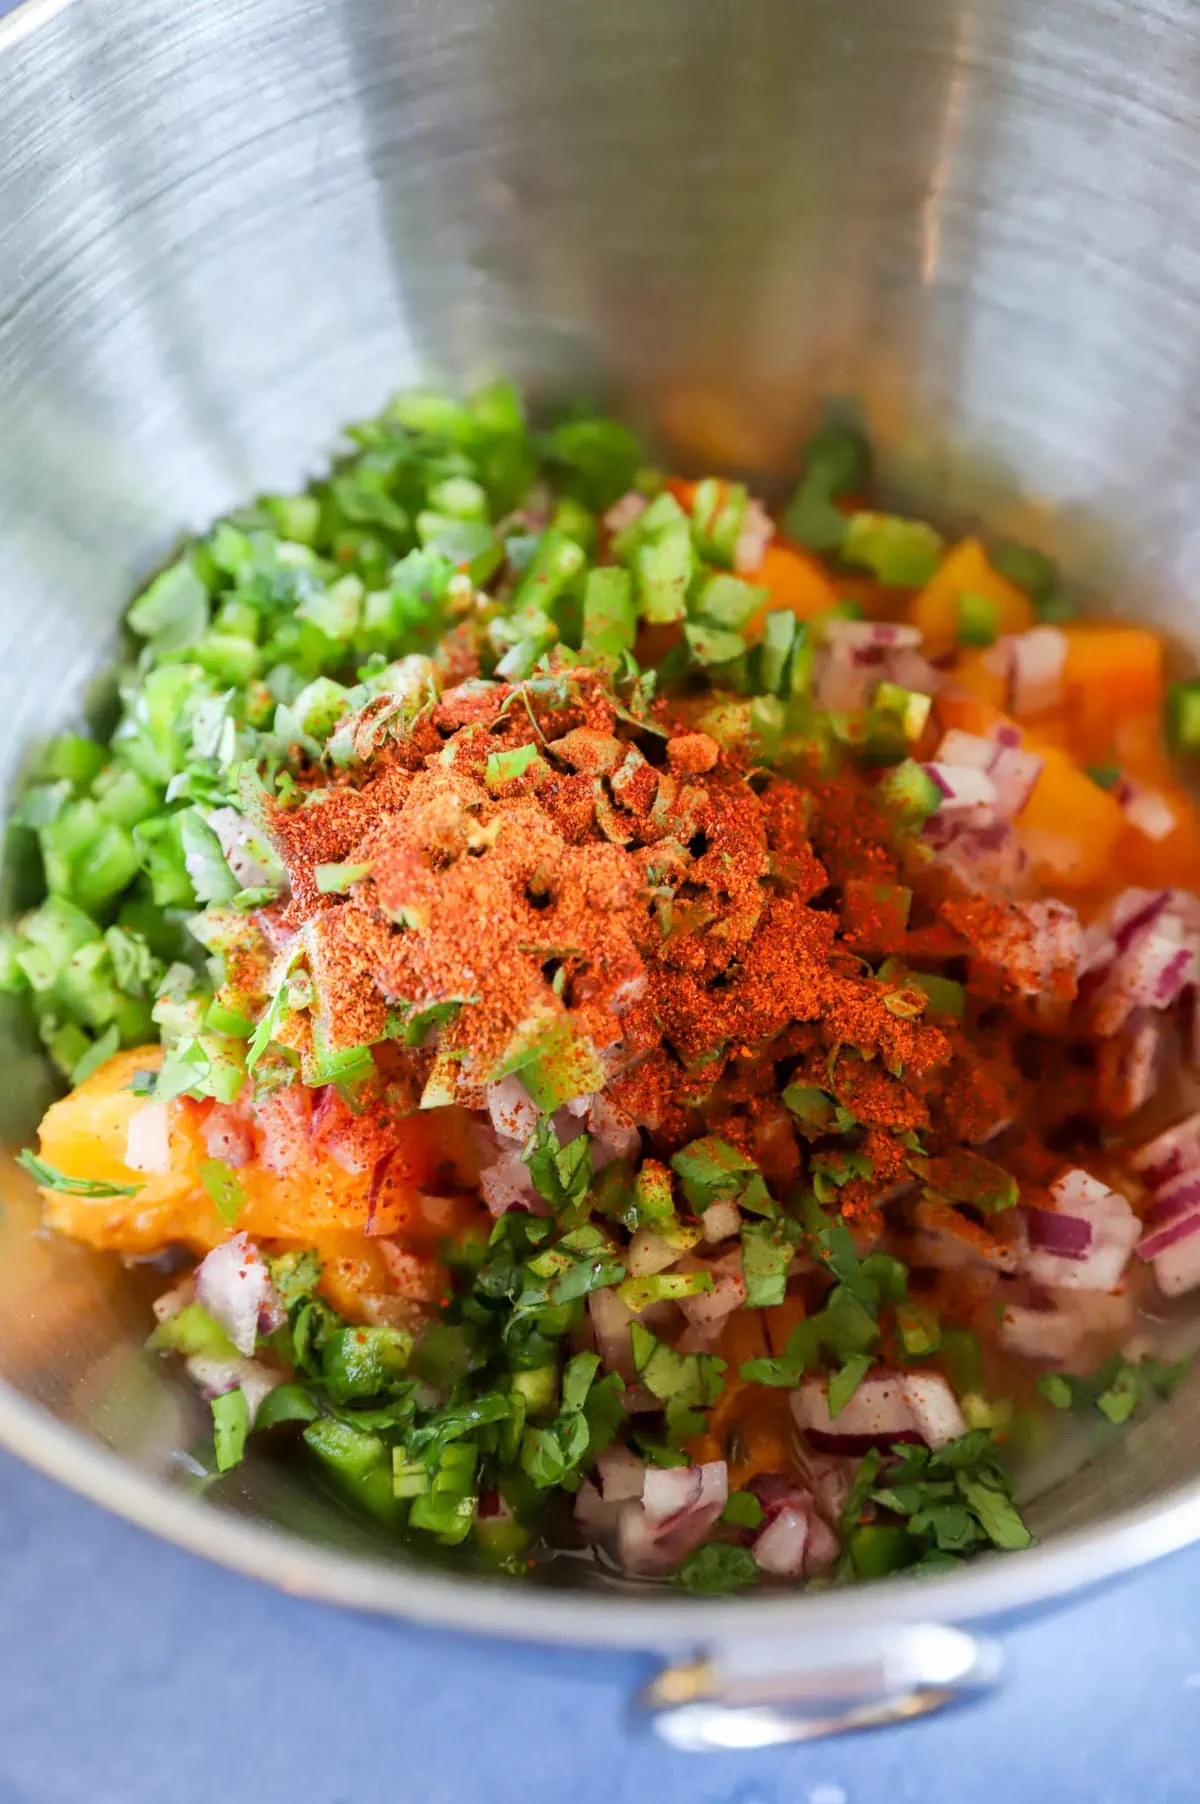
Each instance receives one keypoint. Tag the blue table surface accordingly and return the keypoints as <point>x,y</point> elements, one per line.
<point>135,1674</point>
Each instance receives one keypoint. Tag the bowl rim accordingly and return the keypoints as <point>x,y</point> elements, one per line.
<point>989,1589</point>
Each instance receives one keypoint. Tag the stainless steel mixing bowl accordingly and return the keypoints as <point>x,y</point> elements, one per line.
<point>226,226</point>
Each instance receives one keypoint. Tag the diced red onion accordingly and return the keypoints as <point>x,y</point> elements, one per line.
<point>1169,1153</point>
<point>625,511</point>
<point>820,1499</point>
<point>234,1285</point>
<point>610,1319</point>
<point>1068,1236</point>
<point>823,1549</point>
<point>669,1490</point>
<point>419,1277</point>
<point>379,1172</point>
<point>989,860</point>
<point>711,1307</point>
<point>871,635</point>
<point>513,1112</point>
<point>1177,1267</point>
<point>882,1410</point>
<point>1037,945</point>
<point>228,1136</point>
<point>1015,775</point>
<point>1146,810</point>
<point>216,1377</point>
<point>779,1549</point>
<point>1135,911</point>
<point>966,750</point>
<point>1078,1189</point>
<point>620,1474</point>
<point>840,684</point>
<point>506,1184</point>
<point>645,1547</point>
<point>1036,669</point>
<point>614,1133</point>
<point>284,1123</point>
<point>909,670</point>
<point>940,1249</point>
<point>1114,1232</point>
<point>1128,1064</point>
<point>649,1254</point>
<point>355,1142</point>
<point>933,1407</point>
<point>243,848</point>
<point>1152,972</point>
<point>170,1302</point>
<point>721,1221</point>
<point>757,531</point>
<point>148,1141</point>
<point>1046,1335</point>
<point>778,1490</point>
<point>1166,1234</point>
<point>1178,1196</point>
<point>568,1123</point>
<point>962,786</point>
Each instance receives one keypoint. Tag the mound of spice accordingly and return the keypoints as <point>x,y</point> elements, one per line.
<point>531,881</point>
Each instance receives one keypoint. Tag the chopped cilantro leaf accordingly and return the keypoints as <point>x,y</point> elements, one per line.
<point>815,1112</point>
<point>710,1169</point>
<point>997,1514</point>
<point>767,1251</point>
<point>1117,1388</point>
<point>717,1569</point>
<point>286,1403</point>
<point>604,1411</point>
<point>52,1179</point>
<point>694,1379</point>
<point>274,1012</point>
<point>860,1490</point>
<point>743,1510</point>
<point>506,767</point>
<point>336,879</point>
<point>783,1373</point>
<point>846,1380</point>
<point>1056,1390</point>
<point>577,1378</point>
<point>950,1502</point>
<point>561,1174</point>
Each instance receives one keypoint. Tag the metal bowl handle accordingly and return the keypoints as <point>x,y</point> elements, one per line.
<point>763,1694</point>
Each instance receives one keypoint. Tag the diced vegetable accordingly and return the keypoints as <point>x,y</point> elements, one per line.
<point>965,570</point>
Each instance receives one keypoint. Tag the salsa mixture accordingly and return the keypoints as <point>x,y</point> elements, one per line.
<point>630,1024</point>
